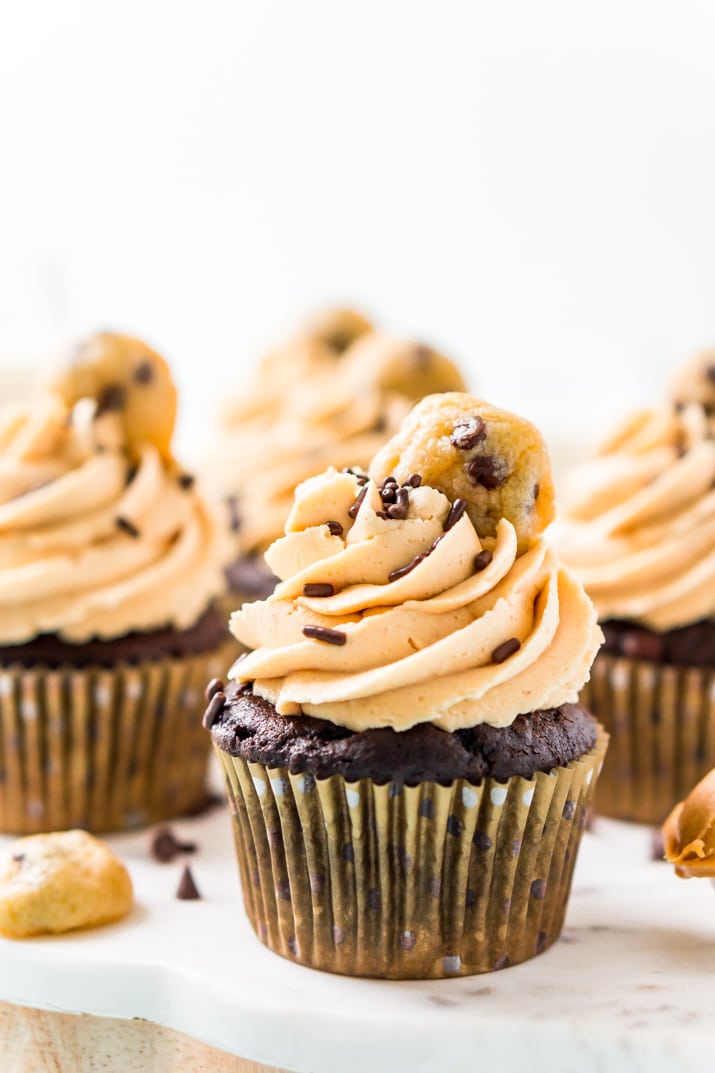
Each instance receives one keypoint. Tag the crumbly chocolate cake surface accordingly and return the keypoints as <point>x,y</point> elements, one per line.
<point>687,646</point>
<point>51,651</point>
<point>249,727</point>
<point>250,577</point>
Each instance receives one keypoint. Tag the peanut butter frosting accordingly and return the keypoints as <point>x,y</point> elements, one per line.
<point>331,396</point>
<point>392,611</point>
<point>101,532</point>
<point>639,527</point>
<point>689,832</point>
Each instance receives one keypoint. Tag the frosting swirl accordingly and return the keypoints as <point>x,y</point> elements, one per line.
<point>428,622</point>
<point>640,523</point>
<point>96,541</point>
<point>311,407</point>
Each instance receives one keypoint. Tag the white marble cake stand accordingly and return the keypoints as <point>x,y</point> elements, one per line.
<point>630,987</point>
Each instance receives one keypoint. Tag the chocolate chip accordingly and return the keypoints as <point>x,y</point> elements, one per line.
<point>323,633</point>
<point>537,489</point>
<point>508,648</point>
<point>482,560</point>
<point>186,481</point>
<point>388,493</point>
<point>215,686</point>
<point>112,399</point>
<point>212,713</point>
<point>357,503</point>
<point>335,528</point>
<point>165,846</point>
<point>489,471</point>
<point>144,373</point>
<point>389,482</point>
<point>127,527</point>
<point>317,588</point>
<point>402,571</point>
<point>469,433</point>
<point>455,513</point>
<point>187,890</point>
<point>401,506</point>
<point>233,513</point>
<point>414,480</point>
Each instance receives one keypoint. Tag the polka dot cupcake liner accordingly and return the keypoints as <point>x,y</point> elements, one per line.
<point>405,882</point>
<point>103,749</point>
<point>661,720</point>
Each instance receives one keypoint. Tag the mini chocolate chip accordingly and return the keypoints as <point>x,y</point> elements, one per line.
<point>388,493</point>
<point>357,502</point>
<point>335,528</point>
<point>508,648</point>
<point>233,513</point>
<point>537,489</point>
<point>388,482</point>
<point>469,433</point>
<point>414,480</point>
<point>482,560</point>
<point>317,588</point>
<point>144,373</point>
<point>215,707</point>
<point>489,471</point>
<point>455,513</point>
<point>402,571</point>
<point>165,846</point>
<point>215,686</point>
<point>401,506</point>
<point>187,890</point>
<point>323,633</point>
<point>186,481</point>
<point>127,527</point>
<point>111,399</point>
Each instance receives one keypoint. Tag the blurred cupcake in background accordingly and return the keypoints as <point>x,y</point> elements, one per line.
<point>111,564</point>
<point>331,396</point>
<point>639,530</point>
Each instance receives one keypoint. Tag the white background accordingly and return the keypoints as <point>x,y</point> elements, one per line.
<point>529,185</point>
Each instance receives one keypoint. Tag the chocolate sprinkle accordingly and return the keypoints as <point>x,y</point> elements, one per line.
<point>361,477</point>
<point>144,373</point>
<point>508,648</point>
<point>317,588</point>
<point>323,633</point>
<point>212,713</point>
<point>482,560</point>
<point>127,527</point>
<point>469,433</point>
<point>335,528</point>
<point>414,480</point>
<point>401,571</point>
<point>111,399</point>
<point>186,481</point>
<point>215,686</point>
<point>455,513</point>
<point>187,890</point>
<point>357,503</point>
<point>490,472</point>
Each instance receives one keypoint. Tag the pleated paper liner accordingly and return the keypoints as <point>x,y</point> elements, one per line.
<point>661,720</point>
<point>104,749</point>
<point>408,882</point>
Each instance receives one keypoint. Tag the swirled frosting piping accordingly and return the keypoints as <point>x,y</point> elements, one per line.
<point>640,523</point>
<point>93,544</point>
<point>469,633</point>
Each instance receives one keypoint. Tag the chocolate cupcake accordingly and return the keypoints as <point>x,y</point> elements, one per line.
<point>640,532</point>
<point>407,767</point>
<point>110,568</point>
<point>333,395</point>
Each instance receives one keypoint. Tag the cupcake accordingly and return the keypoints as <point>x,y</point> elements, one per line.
<point>111,563</point>
<point>334,394</point>
<point>689,832</point>
<point>407,765</point>
<point>640,532</point>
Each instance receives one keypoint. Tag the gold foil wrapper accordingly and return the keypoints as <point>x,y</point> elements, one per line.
<point>104,749</point>
<point>406,882</point>
<point>661,721</point>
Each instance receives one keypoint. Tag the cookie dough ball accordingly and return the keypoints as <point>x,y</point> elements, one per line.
<point>60,882</point>
<point>694,381</point>
<point>125,376</point>
<point>338,329</point>
<point>412,370</point>
<point>468,449</point>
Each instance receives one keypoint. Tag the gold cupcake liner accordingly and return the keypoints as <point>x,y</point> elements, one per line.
<point>104,749</point>
<point>408,882</point>
<point>661,721</point>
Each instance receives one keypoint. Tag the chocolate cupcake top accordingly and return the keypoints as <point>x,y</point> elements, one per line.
<point>640,522</point>
<point>332,396</point>
<point>396,609</point>
<point>101,532</point>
